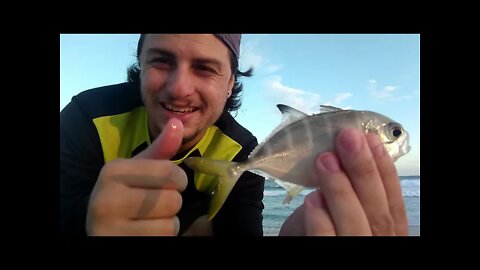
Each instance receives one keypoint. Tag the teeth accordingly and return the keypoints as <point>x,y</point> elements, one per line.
<point>177,109</point>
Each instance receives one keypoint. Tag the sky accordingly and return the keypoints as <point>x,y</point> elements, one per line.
<point>376,72</point>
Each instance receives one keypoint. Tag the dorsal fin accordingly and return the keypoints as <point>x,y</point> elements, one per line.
<point>327,108</point>
<point>289,115</point>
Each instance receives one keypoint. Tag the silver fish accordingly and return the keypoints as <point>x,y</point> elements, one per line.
<point>287,156</point>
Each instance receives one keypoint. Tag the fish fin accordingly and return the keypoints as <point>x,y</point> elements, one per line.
<point>228,174</point>
<point>289,115</point>
<point>287,199</point>
<point>261,173</point>
<point>327,108</point>
<point>292,190</point>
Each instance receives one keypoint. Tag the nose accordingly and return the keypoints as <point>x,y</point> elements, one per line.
<point>180,83</point>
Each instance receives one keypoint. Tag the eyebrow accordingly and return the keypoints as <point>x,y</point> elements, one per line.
<point>154,51</point>
<point>199,60</point>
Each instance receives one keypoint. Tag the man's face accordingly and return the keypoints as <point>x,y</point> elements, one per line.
<point>185,77</point>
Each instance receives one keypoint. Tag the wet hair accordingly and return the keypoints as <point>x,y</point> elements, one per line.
<point>233,102</point>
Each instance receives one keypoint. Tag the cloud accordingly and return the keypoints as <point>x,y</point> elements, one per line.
<point>400,98</point>
<point>273,68</point>
<point>299,99</point>
<point>340,97</point>
<point>249,56</point>
<point>338,100</point>
<point>305,101</point>
<point>388,92</point>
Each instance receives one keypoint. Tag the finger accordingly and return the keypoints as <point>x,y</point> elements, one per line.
<point>149,203</point>
<point>167,143</point>
<point>391,183</point>
<point>317,218</point>
<point>200,227</point>
<point>359,164</point>
<point>343,205</point>
<point>293,225</point>
<point>152,227</point>
<point>146,173</point>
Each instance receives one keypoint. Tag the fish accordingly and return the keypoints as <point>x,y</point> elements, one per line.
<point>288,154</point>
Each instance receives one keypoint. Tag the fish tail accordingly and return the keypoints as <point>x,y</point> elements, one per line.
<point>228,174</point>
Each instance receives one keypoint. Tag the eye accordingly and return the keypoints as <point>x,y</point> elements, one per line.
<point>205,69</point>
<point>395,130</point>
<point>161,62</point>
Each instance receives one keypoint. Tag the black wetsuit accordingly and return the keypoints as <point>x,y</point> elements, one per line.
<point>110,122</point>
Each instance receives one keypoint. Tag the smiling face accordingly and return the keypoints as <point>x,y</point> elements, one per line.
<point>187,77</point>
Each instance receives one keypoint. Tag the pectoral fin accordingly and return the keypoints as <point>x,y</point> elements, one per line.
<point>292,190</point>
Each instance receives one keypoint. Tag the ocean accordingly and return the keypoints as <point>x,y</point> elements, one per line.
<point>275,213</point>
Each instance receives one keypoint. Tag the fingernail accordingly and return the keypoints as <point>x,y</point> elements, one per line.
<point>350,140</point>
<point>174,123</point>
<point>376,146</point>
<point>314,199</point>
<point>329,162</point>
<point>176,225</point>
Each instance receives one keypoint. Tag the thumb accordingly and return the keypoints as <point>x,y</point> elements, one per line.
<point>166,145</point>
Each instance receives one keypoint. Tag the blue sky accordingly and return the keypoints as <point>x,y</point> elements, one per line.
<point>368,72</point>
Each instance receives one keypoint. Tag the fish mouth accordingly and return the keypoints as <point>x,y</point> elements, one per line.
<point>406,147</point>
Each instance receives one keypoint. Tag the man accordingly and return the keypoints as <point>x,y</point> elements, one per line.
<point>122,147</point>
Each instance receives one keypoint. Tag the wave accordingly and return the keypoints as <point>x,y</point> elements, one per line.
<point>411,177</point>
<point>283,193</point>
<point>410,188</point>
<point>410,193</point>
<point>274,193</point>
<point>410,183</point>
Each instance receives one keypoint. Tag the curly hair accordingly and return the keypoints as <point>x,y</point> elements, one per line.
<point>233,102</point>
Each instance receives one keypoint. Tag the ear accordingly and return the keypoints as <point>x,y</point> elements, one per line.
<point>231,82</point>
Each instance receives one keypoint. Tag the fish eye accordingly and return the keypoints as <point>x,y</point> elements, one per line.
<point>397,132</point>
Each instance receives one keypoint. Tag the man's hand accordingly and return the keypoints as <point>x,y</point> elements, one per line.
<point>359,194</point>
<point>140,196</point>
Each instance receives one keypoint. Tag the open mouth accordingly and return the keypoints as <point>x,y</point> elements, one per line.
<point>178,110</point>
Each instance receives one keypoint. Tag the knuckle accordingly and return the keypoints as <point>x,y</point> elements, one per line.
<point>175,176</point>
<point>101,205</point>
<point>339,191</point>
<point>382,224</point>
<point>367,168</point>
<point>399,213</point>
<point>165,169</point>
<point>111,169</point>
<point>173,202</point>
<point>99,219</point>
